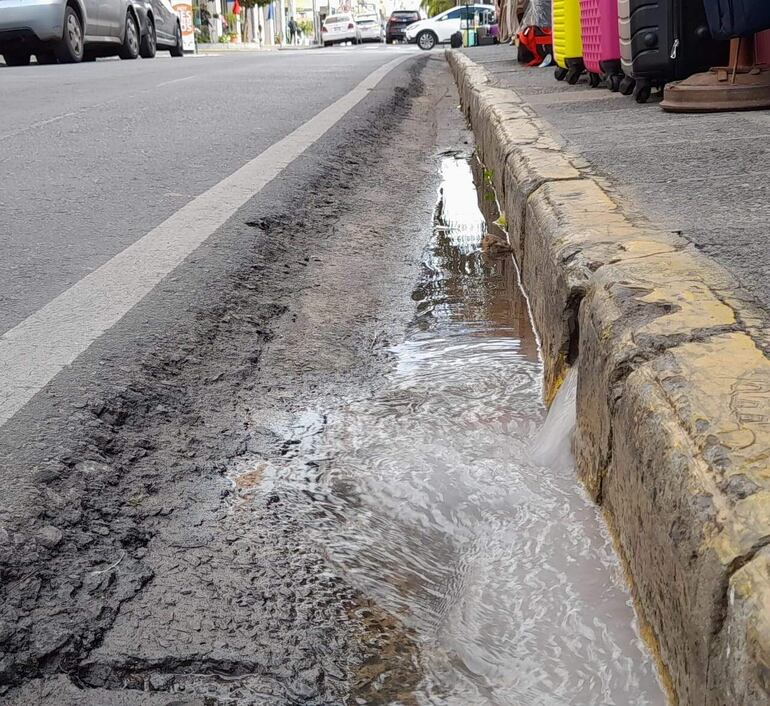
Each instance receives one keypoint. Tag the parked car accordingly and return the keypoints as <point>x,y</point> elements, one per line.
<point>337,29</point>
<point>398,21</point>
<point>161,28</point>
<point>368,29</point>
<point>70,31</point>
<point>439,29</point>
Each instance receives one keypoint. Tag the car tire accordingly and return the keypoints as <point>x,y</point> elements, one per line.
<point>426,40</point>
<point>327,44</point>
<point>149,44</point>
<point>178,49</point>
<point>46,57</point>
<point>130,47</point>
<point>17,58</point>
<point>69,49</point>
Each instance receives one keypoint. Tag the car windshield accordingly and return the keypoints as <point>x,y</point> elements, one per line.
<point>337,18</point>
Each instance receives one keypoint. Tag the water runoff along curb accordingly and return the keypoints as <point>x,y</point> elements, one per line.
<point>673,399</point>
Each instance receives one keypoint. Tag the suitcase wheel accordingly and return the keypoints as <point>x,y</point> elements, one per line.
<point>642,92</point>
<point>559,73</point>
<point>627,86</point>
<point>614,81</point>
<point>573,75</point>
<point>594,79</point>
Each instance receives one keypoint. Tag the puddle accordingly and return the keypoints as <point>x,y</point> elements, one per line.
<point>451,503</point>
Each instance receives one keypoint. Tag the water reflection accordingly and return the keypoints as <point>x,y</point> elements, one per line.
<point>430,500</point>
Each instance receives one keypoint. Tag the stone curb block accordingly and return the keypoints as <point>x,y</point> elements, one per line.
<point>673,430</point>
<point>689,491</point>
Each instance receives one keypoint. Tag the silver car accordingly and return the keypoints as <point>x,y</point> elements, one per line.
<point>76,30</point>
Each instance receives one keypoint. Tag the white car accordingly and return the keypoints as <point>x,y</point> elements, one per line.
<point>337,29</point>
<point>369,29</point>
<point>439,29</point>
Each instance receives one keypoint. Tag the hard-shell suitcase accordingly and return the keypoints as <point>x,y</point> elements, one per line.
<point>664,40</point>
<point>601,43</point>
<point>567,44</point>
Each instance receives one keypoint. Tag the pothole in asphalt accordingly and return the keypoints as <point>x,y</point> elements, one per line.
<point>429,500</point>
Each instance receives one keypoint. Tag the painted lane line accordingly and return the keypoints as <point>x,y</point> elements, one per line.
<point>175,80</point>
<point>39,347</point>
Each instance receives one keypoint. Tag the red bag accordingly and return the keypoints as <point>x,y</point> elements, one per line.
<point>535,44</point>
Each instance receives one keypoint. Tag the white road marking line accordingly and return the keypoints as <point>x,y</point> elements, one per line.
<point>39,123</point>
<point>39,347</point>
<point>175,80</point>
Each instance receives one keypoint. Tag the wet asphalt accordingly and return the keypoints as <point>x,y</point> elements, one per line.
<point>131,571</point>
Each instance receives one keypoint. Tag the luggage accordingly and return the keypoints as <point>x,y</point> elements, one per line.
<point>567,43</point>
<point>737,18</point>
<point>664,40</point>
<point>534,45</point>
<point>456,40</point>
<point>601,42</point>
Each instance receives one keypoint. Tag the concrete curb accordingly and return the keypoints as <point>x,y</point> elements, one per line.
<point>673,435</point>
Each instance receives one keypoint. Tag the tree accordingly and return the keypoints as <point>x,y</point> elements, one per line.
<point>247,5</point>
<point>434,7</point>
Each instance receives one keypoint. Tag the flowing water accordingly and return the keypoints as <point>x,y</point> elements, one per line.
<point>452,502</point>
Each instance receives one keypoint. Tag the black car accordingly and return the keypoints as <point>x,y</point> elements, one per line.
<point>398,22</point>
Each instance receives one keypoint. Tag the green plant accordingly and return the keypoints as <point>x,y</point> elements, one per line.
<point>224,39</point>
<point>306,26</point>
<point>433,7</point>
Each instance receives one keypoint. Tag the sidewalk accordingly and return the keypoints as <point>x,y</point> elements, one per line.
<point>707,176</point>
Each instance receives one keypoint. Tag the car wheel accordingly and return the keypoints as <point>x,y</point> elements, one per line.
<point>130,47</point>
<point>178,48</point>
<point>426,40</point>
<point>69,49</point>
<point>16,58</point>
<point>46,57</point>
<point>149,44</point>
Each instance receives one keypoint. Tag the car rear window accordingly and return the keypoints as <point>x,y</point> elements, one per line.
<point>338,18</point>
<point>366,22</point>
<point>405,16</point>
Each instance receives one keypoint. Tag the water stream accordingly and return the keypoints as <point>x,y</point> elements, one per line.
<point>452,502</point>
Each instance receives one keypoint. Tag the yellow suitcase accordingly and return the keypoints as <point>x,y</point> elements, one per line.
<point>567,42</point>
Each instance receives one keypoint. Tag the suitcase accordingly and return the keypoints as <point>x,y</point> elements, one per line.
<point>664,40</point>
<point>601,42</point>
<point>567,44</point>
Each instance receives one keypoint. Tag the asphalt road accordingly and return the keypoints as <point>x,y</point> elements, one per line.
<point>93,156</point>
<point>122,559</point>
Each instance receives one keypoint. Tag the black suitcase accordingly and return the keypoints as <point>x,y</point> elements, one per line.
<point>665,40</point>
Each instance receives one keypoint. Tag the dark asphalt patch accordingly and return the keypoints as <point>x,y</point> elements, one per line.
<point>124,564</point>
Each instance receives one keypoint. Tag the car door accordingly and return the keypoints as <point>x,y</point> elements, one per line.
<point>165,21</point>
<point>449,23</point>
<point>112,17</point>
<point>93,26</point>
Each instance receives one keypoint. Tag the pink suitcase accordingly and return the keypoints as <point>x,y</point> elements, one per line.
<point>601,41</point>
